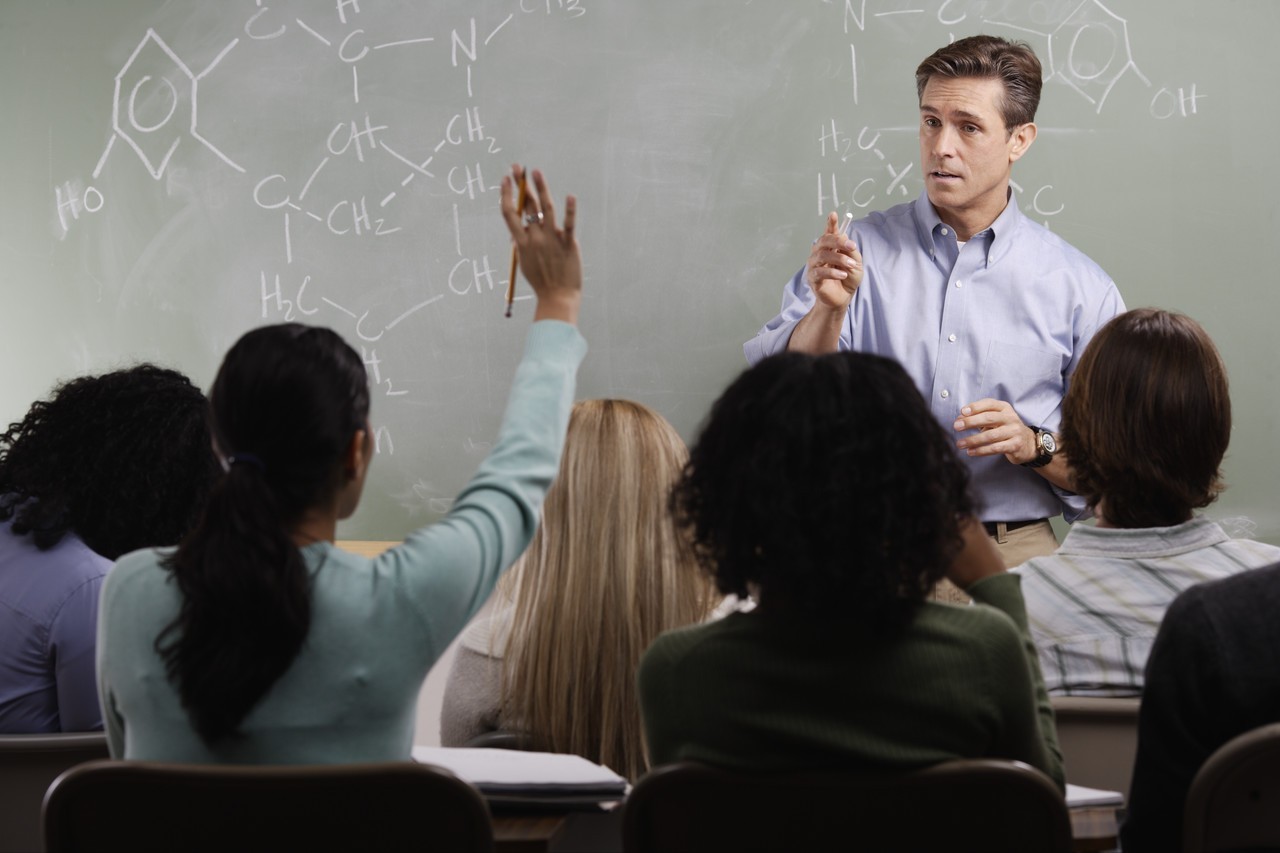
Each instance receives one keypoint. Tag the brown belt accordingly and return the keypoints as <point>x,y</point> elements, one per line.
<point>1010,526</point>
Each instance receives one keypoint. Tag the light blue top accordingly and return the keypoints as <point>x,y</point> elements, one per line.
<point>48,627</point>
<point>377,625</point>
<point>1007,316</point>
<point>1095,605</point>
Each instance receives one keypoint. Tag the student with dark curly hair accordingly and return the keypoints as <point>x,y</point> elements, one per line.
<point>824,486</point>
<point>109,464</point>
<point>259,642</point>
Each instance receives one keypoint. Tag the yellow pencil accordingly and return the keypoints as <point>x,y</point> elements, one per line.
<point>511,280</point>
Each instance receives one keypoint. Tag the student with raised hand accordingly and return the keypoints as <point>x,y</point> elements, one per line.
<point>1145,425</point>
<point>606,573</point>
<point>824,485</point>
<point>108,464</point>
<point>258,641</point>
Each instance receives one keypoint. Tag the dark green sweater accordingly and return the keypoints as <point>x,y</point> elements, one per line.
<point>959,682</point>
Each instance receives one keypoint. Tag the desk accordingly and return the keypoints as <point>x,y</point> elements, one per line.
<point>1093,830</point>
<point>558,832</point>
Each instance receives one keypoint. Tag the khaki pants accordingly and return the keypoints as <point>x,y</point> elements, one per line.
<point>1015,547</point>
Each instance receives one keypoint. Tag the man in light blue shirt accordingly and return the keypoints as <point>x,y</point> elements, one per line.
<point>986,310</point>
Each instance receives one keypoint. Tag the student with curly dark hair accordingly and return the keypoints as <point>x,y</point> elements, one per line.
<point>823,486</point>
<point>109,464</point>
<point>259,642</point>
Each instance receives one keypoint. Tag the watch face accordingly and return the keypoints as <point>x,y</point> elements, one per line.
<point>1048,443</point>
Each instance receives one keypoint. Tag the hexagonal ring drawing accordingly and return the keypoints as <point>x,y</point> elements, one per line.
<point>136,133</point>
<point>1090,52</point>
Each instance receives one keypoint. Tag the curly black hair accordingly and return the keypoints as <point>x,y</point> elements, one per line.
<point>825,481</point>
<point>123,460</point>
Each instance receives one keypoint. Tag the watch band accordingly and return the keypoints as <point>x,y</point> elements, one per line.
<point>1045,448</point>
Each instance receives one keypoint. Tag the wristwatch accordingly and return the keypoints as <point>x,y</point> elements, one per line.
<point>1046,446</point>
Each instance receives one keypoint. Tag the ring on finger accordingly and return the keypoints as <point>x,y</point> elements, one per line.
<point>530,218</point>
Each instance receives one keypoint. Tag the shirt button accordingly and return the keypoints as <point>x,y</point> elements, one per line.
<point>959,284</point>
<point>944,232</point>
<point>951,338</point>
<point>946,394</point>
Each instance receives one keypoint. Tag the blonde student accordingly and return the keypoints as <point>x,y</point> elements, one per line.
<point>606,573</point>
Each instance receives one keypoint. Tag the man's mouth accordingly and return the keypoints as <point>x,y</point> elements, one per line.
<point>940,174</point>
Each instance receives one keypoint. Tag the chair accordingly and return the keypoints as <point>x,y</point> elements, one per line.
<point>28,765</point>
<point>147,806</point>
<point>1099,739</point>
<point>969,805</point>
<point>1234,799</point>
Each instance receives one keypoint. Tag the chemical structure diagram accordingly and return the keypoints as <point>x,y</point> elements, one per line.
<point>1087,49</point>
<point>155,114</point>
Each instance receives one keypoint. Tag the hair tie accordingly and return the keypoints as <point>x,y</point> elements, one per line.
<point>248,459</point>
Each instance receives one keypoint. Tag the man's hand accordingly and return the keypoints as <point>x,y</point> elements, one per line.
<point>834,270</point>
<point>1000,431</point>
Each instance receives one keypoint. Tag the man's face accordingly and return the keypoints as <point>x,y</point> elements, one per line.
<point>966,153</point>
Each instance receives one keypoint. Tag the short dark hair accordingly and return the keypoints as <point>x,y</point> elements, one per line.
<point>1012,63</point>
<point>123,460</point>
<point>1147,419</point>
<point>825,481</point>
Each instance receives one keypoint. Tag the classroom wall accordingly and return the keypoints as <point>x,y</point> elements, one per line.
<point>175,173</point>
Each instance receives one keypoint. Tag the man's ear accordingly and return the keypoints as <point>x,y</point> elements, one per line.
<point>1020,140</point>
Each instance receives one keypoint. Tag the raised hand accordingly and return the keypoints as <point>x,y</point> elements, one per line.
<point>834,270</point>
<point>548,255</point>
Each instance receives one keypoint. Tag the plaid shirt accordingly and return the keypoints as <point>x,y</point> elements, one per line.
<point>1094,605</point>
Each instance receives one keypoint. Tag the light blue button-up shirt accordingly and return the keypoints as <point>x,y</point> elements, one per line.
<point>1005,316</point>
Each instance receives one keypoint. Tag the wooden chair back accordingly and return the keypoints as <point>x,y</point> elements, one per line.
<point>1234,799</point>
<point>145,806</point>
<point>971,805</point>
<point>28,766</point>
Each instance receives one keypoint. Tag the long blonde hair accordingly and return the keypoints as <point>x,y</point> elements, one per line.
<point>606,572</point>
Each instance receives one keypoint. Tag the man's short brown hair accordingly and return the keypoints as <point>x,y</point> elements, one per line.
<point>1147,419</point>
<point>990,57</point>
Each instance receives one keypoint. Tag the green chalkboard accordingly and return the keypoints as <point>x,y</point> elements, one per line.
<point>177,172</point>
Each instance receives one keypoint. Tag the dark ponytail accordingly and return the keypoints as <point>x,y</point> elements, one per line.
<point>284,407</point>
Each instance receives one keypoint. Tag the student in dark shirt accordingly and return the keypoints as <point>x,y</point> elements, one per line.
<point>824,486</point>
<point>1213,674</point>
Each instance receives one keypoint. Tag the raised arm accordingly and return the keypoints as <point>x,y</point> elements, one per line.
<point>452,566</point>
<point>836,263</point>
<point>833,272</point>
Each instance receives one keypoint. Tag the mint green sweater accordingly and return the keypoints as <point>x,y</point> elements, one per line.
<point>377,625</point>
<point>960,682</point>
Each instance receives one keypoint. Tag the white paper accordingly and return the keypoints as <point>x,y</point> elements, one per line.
<point>1079,796</point>
<point>517,770</point>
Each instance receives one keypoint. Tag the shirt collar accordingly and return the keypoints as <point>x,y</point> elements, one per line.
<point>998,237</point>
<point>1089,541</point>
